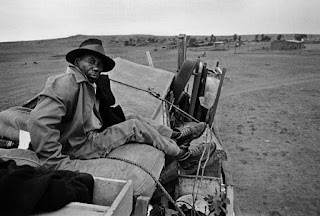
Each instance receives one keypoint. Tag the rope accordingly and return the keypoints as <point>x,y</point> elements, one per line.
<point>141,89</point>
<point>157,95</point>
<point>154,178</point>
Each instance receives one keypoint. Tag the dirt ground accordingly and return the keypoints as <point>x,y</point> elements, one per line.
<point>268,114</point>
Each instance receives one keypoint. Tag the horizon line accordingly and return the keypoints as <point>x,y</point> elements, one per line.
<point>159,35</point>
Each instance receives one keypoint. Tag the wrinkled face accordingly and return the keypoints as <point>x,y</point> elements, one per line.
<point>90,65</point>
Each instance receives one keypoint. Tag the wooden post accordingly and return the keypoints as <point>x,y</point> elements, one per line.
<point>195,88</point>
<point>149,59</point>
<point>182,48</point>
<point>213,109</point>
<point>201,111</point>
<point>141,207</point>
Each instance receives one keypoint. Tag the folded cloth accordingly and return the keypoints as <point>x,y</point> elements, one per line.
<point>25,190</point>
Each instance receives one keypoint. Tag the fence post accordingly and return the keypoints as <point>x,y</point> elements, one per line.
<point>182,48</point>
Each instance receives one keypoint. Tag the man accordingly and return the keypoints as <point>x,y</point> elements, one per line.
<point>73,118</point>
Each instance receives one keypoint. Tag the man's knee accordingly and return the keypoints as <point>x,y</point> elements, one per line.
<point>131,116</point>
<point>134,122</point>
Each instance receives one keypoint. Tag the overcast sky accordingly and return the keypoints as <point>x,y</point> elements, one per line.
<point>45,19</point>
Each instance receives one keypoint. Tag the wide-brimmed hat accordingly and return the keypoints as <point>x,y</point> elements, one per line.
<point>93,46</point>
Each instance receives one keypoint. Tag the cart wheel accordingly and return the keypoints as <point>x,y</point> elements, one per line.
<point>182,78</point>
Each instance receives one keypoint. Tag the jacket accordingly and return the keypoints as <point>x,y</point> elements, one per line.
<point>57,121</point>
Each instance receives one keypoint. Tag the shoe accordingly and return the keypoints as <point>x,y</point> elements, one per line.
<point>192,157</point>
<point>189,133</point>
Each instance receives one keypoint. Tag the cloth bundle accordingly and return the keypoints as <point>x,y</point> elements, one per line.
<point>25,190</point>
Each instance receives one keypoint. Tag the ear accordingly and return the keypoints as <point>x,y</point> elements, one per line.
<point>76,61</point>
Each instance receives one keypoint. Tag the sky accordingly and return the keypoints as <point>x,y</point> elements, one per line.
<point>22,20</point>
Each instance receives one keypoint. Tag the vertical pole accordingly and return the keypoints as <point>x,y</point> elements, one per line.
<point>213,109</point>
<point>201,111</point>
<point>195,88</point>
<point>182,48</point>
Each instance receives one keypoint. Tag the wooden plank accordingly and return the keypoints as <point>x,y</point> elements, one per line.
<point>122,205</point>
<point>195,88</point>
<point>213,110</point>
<point>111,197</point>
<point>230,196</point>
<point>201,111</point>
<point>78,209</point>
<point>106,190</point>
<point>149,59</point>
<point>228,180</point>
<point>86,206</point>
<point>141,207</point>
<point>202,185</point>
<point>182,49</point>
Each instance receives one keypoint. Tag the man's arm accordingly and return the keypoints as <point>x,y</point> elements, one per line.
<point>110,115</point>
<point>104,92</point>
<point>44,120</point>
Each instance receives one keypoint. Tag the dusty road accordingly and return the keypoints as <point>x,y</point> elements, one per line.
<point>271,85</point>
<point>271,129</point>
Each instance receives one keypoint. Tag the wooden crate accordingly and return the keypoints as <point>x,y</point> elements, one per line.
<point>205,185</point>
<point>111,197</point>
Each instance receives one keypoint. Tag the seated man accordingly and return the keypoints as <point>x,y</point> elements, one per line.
<point>73,118</point>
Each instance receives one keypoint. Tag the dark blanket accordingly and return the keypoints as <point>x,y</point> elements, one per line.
<point>25,190</point>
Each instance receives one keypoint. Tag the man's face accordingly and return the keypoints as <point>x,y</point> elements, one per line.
<point>91,65</point>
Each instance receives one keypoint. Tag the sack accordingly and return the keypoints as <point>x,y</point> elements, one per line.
<point>210,93</point>
<point>13,120</point>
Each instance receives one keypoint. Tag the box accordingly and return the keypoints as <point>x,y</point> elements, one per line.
<point>201,185</point>
<point>111,197</point>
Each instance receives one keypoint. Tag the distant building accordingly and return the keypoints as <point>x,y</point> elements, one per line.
<point>219,43</point>
<point>287,45</point>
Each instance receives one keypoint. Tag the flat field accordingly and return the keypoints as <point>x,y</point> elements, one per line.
<point>268,114</point>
